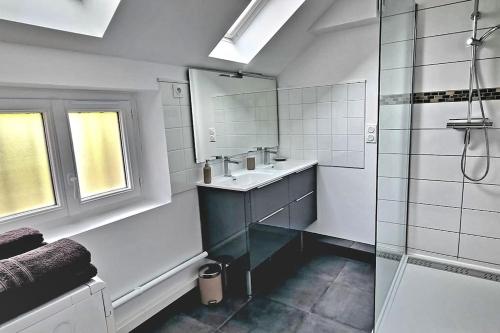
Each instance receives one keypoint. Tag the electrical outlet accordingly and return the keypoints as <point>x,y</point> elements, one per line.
<point>371,133</point>
<point>212,135</point>
<point>178,90</point>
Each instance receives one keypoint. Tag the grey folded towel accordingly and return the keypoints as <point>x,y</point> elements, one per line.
<point>32,278</point>
<point>18,241</point>
<point>48,261</point>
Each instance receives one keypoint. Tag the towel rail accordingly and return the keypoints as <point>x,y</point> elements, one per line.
<point>150,284</point>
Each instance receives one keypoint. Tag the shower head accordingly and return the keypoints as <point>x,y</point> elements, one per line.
<point>489,32</point>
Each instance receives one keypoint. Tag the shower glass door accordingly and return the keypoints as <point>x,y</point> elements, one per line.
<point>397,31</point>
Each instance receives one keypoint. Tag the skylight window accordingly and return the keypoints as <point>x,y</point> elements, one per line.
<point>245,18</point>
<point>254,28</point>
<point>86,17</point>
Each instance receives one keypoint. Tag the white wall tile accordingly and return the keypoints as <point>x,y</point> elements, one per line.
<point>324,142</point>
<point>339,158</point>
<point>339,126</point>
<point>356,109</point>
<point>396,55</point>
<point>295,96</point>
<point>339,92</point>
<point>436,193</point>
<point>283,97</point>
<point>394,141</point>
<point>484,197</point>
<point>391,233</point>
<point>178,181</point>
<point>453,76</point>
<point>392,188</point>
<point>438,241</point>
<point>310,141</point>
<point>172,116</point>
<point>356,126</point>
<point>436,167</point>
<point>437,142</point>
<point>309,111</point>
<point>174,138</point>
<point>323,94</point>
<point>309,95</point>
<point>436,115</point>
<point>481,223</point>
<point>295,111</point>
<point>393,165</point>
<point>189,161</point>
<point>324,110</point>
<point>391,211</point>
<point>356,143</point>
<point>452,48</point>
<point>480,248</point>
<point>298,142</point>
<point>435,217</point>
<point>325,157</point>
<point>356,159</point>
<point>186,116</point>
<point>339,110</point>
<point>283,112</point>
<point>397,28</point>
<point>310,154</point>
<point>454,18</point>
<point>477,145</point>
<point>310,126</point>
<point>176,160</point>
<point>396,81</point>
<point>395,116</point>
<point>356,91</point>
<point>339,142</point>
<point>475,167</point>
<point>324,126</point>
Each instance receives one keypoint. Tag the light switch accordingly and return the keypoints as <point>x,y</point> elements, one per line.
<point>371,133</point>
<point>178,90</point>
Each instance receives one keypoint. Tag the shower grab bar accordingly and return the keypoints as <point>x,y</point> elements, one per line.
<point>473,123</point>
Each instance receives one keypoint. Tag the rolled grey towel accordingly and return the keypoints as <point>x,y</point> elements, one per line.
<point>18,241</point>
<point>46,262</point>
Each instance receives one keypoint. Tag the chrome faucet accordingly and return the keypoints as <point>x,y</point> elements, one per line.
<point>267,154</point>
<point>227,160</point>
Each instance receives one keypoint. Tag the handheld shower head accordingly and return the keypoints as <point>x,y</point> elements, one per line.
<point>489,32</point>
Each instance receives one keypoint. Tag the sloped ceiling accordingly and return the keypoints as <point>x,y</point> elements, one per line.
<point>177,32</point>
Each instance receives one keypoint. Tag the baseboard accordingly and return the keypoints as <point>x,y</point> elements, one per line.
<point>341,247</point>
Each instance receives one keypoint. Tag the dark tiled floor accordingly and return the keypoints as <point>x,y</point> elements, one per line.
<point>324,294</point>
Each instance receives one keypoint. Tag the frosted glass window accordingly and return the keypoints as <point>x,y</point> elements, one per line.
<point>25,175</point>
<point>98,152</point>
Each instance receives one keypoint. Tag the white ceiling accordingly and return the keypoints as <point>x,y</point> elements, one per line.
<point>177,32</point>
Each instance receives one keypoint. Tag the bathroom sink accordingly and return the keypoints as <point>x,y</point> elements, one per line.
<point>245,180</point>
<point>286,165</point>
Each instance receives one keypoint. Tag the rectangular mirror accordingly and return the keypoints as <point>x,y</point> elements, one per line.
<point>232,113</point>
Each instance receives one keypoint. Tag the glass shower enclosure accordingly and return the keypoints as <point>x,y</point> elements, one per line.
<point>397,45</point>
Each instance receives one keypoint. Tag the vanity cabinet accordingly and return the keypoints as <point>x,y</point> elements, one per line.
<point>258,222</point>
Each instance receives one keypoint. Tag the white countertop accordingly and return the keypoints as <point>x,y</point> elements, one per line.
<point>245,180</point>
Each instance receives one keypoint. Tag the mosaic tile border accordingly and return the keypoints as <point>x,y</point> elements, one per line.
<point>440,96</point>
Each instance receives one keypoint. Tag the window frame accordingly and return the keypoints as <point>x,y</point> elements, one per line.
<point>54,110</point>
<point>128,135</point>
<point>43,107</point>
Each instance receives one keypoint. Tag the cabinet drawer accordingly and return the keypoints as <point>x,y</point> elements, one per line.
<point>269,198</point>
<point>303,211</point>
<point>279,218</point>
<point>302,183</point>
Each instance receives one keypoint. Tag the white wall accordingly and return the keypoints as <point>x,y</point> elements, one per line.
<point>346,197</point>
<point>136,249</point>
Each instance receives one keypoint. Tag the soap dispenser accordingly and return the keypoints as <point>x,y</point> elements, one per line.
<point>207,173</point>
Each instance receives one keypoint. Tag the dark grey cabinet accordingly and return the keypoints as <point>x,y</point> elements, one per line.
<point>262,220</point>
<point>268,198</point>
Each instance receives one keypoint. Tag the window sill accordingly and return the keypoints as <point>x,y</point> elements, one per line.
<point>79,225</point>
